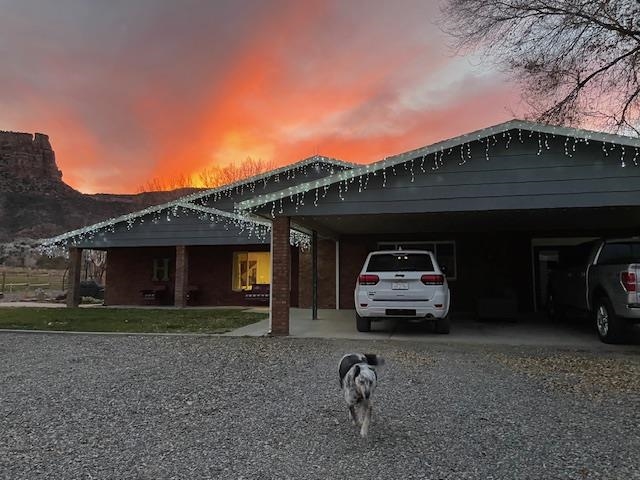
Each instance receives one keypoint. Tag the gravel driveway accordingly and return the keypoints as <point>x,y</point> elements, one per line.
<point>112,407</point>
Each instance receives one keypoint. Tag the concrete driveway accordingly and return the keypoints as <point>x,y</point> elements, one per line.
<point>528,330</point>
<point>532,329</point>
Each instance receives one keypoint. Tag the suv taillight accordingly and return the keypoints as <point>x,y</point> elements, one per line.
<point>432,279</point>
<point>368,279</point>
<point>628,280</point>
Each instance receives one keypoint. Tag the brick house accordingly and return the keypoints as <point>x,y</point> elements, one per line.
<point>496,206</point>
<point>195,250</point>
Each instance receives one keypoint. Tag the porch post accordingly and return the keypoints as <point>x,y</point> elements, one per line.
<point>314,274</point>
<point>75,266</point>
<point>182,276</point>
<point>280,276</point>
<point>337,274</point>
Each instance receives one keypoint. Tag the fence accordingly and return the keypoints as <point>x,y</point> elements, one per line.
<point>26,281</point>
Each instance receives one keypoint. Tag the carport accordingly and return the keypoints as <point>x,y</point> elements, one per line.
<point>494,205</point>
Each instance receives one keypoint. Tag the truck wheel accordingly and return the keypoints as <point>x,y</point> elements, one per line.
<point>554,311</point>
<point>363,324</point>
<point>443,325</point>
<point>610,328</point>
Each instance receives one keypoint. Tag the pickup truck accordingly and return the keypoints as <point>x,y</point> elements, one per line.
<point>601,278</point>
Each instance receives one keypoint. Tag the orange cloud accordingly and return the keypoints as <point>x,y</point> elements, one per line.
<point>179,89</point>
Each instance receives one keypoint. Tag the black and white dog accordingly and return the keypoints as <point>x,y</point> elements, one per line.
<point>358,380</point>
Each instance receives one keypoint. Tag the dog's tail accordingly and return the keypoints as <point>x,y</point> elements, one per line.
<point>373,359</point>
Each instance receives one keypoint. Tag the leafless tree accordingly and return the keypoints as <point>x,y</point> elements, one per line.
<point>215,176</point>
<point>577,60</point>
<point>209,177</point>
<point>95,264</point>
<point>158,184</point>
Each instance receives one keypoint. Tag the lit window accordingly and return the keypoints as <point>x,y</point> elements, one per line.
<point>250,268</point>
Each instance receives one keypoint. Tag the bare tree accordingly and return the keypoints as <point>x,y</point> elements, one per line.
<point>95,264</point>
<point>577,60</point>
<point>209,177</point>
<point>157,184</point>
<point>215,176</point>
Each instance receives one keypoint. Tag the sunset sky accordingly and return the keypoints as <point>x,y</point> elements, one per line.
<point>131,90</point>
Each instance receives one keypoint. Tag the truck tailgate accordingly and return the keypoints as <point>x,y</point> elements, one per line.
<point>635,268</point>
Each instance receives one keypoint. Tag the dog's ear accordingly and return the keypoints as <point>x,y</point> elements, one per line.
<point>356,371</point>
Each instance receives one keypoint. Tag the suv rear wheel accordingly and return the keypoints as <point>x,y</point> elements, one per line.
<point>608,325</point>
<point>363,324</point>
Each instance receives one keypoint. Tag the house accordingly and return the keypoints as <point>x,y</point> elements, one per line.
<point>195,250</point>
<point>496,206</point>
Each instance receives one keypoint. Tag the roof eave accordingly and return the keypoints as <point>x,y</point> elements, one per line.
<point>440,146</point>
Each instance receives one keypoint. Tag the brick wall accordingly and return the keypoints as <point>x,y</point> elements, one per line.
<point>130,270</point>
<point>295,280</point>
<point>182,276</point>
<point>353,252</point>
<point>210,269</point>
<point>280,276</point>
<point>326,276</point>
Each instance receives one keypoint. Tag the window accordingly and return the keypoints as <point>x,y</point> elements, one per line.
<point>160,270</point>
<point>250,268</point>
<point>618,253</point>
<point>445,252</point>
<point>388,262</point>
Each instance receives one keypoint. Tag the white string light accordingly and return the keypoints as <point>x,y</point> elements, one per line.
<point>296,194</point>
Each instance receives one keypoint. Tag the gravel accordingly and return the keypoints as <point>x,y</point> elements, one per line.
<point>158,407</point>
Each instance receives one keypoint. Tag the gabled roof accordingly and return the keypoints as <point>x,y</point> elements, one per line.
<point>438,147</point>
<point>130,217</point>
<point>186,201</point>
<point>264,176</point>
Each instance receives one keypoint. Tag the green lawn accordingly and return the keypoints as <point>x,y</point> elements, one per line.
<point>104,319</point>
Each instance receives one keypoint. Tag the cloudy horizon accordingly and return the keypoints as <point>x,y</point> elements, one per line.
<point>131,91</point>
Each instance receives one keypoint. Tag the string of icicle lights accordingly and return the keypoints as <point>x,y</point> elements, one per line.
<point>359,178</point>
<point>254,228</point>
<point>343,179</point>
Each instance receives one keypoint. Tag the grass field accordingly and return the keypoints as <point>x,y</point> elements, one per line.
<point>104,319</point>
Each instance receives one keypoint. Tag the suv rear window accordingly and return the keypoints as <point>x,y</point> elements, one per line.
<point>400,262</point>
<point>615,253</point>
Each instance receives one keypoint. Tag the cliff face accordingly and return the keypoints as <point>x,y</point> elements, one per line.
<point>28,164</point>
<point>36,203</point>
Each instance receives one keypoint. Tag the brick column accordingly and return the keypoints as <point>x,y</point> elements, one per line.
<point>182,276</point>
<point>75,266</point>
<point>280,276</point>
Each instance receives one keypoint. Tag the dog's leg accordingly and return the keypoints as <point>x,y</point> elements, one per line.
<point>366,418</point>
<point>353,415</point>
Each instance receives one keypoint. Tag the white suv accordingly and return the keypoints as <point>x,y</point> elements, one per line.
<point>405,284</point>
